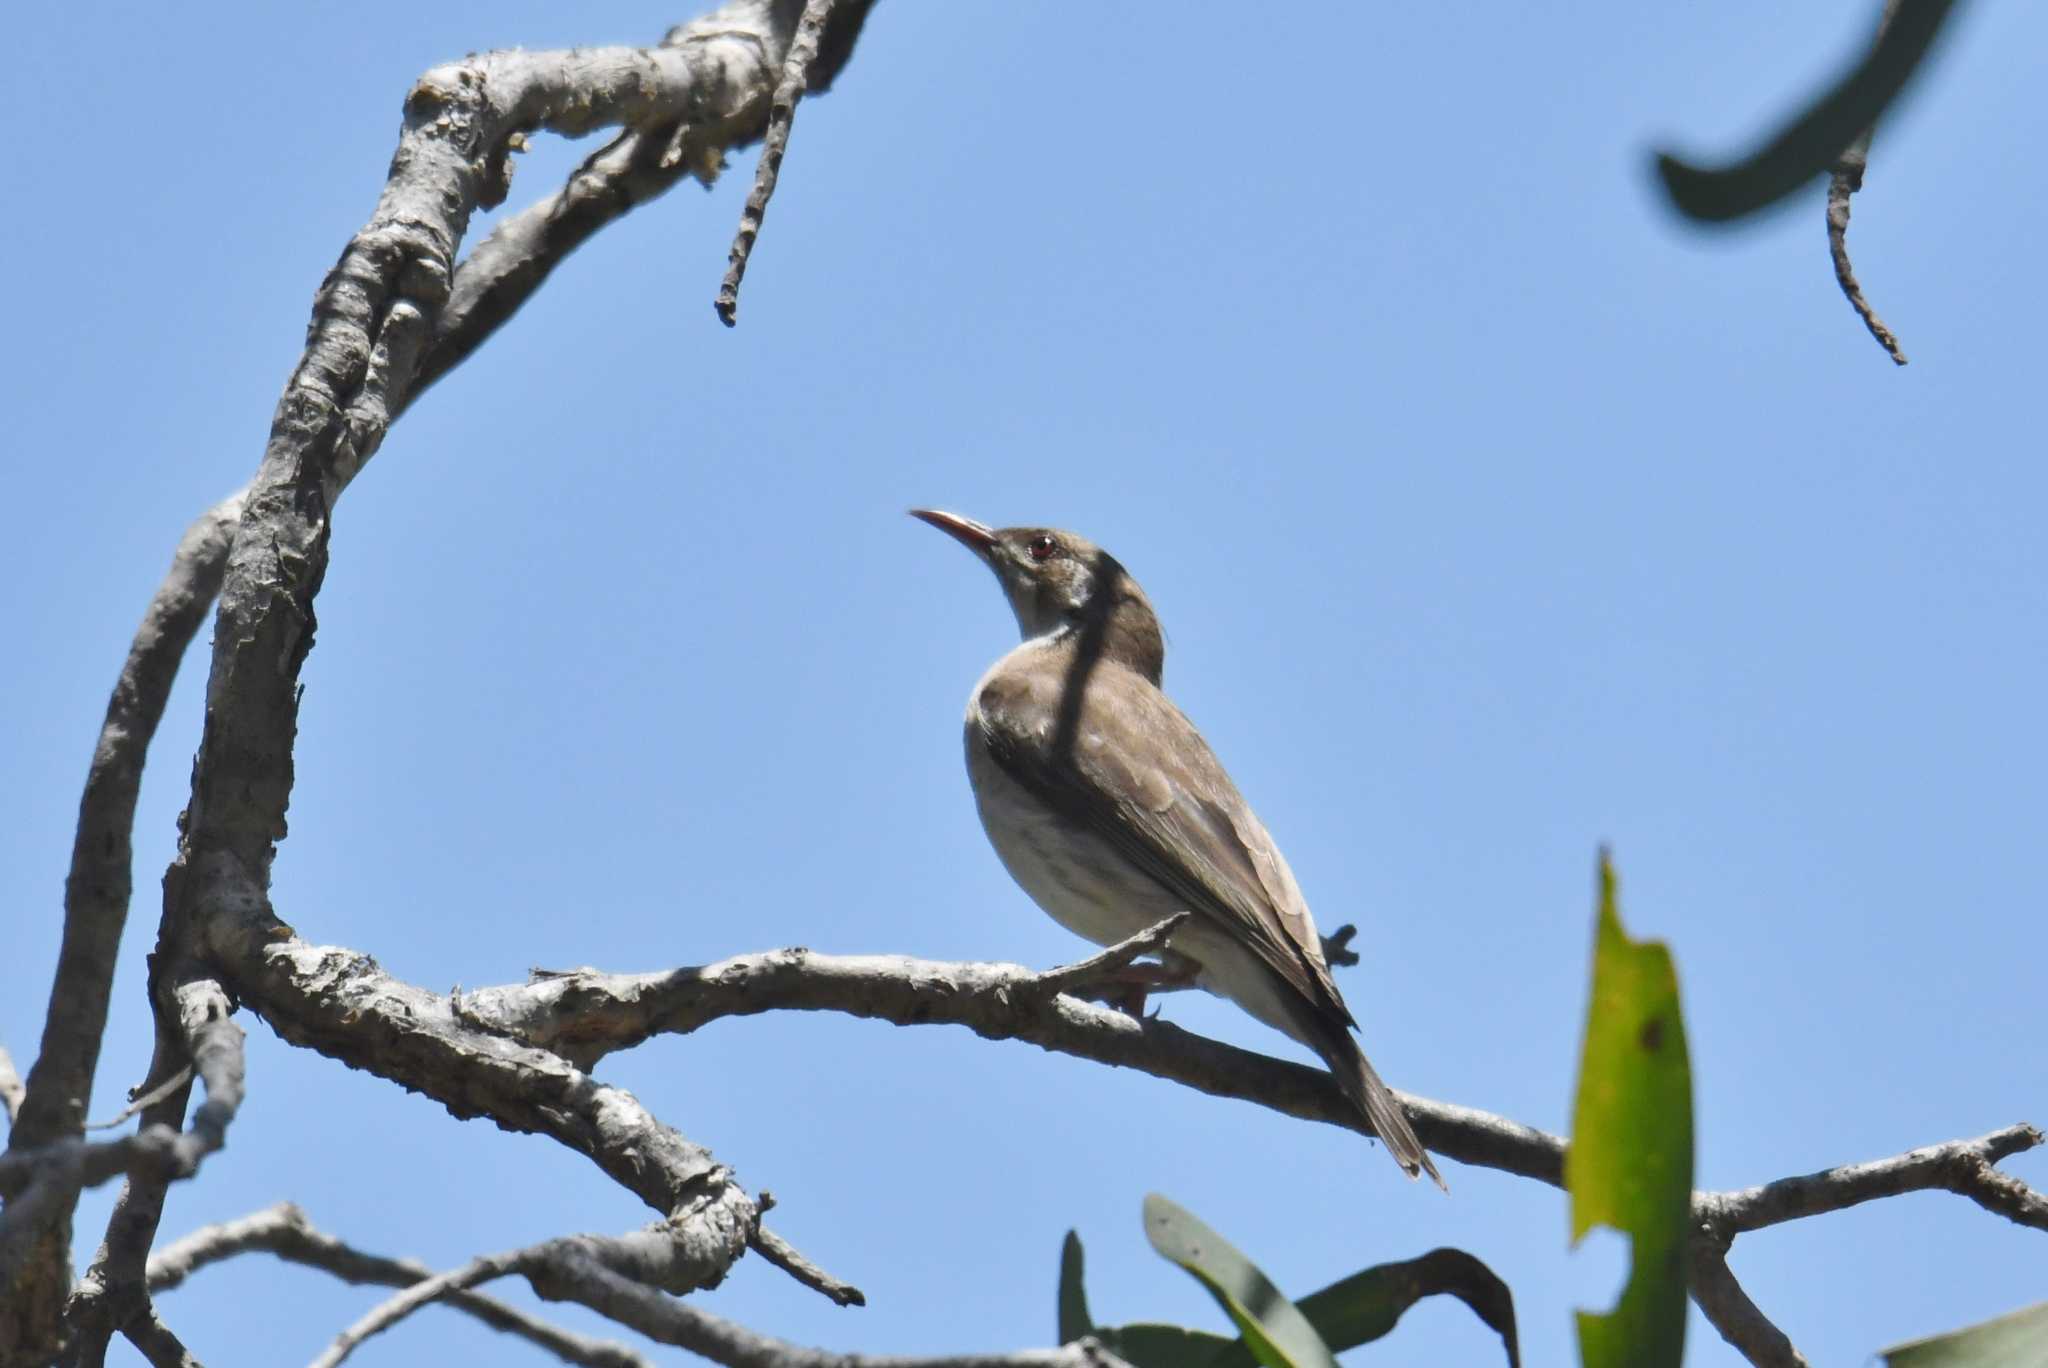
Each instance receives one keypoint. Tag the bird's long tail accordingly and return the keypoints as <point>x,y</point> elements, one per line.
<point>1362,1085</point>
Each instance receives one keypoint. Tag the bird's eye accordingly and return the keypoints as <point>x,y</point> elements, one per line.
<point>1041,547</point>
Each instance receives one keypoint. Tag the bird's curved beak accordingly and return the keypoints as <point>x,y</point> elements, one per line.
<point>976,537</point>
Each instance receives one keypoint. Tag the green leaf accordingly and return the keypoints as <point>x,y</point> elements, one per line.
<point>1630,1161</point>
<point>1146,1345</point>
<point>2017,1337</point>
<point>1073,1298</point>
<point>1274,1329</point>
<point>1368,1304</point>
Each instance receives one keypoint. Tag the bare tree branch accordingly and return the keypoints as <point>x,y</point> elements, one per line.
<point>148,1333</point>
<point>791,1260</point>
<point>795,75</point>
<point>285,1231</point>
<point>374,318</point>
<point>587,1014</point>
<point>651,1258</point>
<point>75,1164</point>
<point>96,896</point>
<point>1729,1310</point>
<point>669,1321</point>
<point>581,1269</point>
<point>1964,1167</point>
<point>50,1178</point>
<point>114,1291</point>
<point>146,1099</point>
<point>1844,181</point>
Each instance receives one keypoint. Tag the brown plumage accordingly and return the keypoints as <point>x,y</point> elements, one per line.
<point>1111,811</point>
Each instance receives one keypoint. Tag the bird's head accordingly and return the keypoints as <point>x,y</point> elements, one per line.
<point>1057,581</point>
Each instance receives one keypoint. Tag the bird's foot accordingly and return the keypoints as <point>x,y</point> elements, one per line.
<point>1126,989</point>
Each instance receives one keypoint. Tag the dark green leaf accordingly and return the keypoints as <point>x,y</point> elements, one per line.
<point>1274,1329</point>
<point>2019,1337</point>
<point>1167,1346</point>
<point>1073,1298</point>
<point>1367,1304</point>
<point>1630,1161</point>
<point>1809,146</point>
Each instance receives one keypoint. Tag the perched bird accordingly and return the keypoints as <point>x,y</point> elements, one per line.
<point>1111,811</point>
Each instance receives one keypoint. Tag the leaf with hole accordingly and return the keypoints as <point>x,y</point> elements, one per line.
<point>1630,1161</point>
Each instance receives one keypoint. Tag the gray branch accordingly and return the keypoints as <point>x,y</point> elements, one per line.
<point>375,320</point>
<point>96,896</point>
<point>587,1014</point>
<point>791,1260</point>
<point>1844,180</point>
<point>39,1182</point>
<point>789,88</point>
<point>1729,1310</point>
<point>154,1340</point>
<point>113,1295</point>
<point>284,1230</point>
<point>1964,1167</point>
<point>586,1269</point>
<point>650,1259</point>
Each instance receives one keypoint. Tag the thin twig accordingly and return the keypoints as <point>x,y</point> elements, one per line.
<point>669,1321</point>
<point>148,1333</point>
<point>566,1270</point>
<point>796,69</point>
<point>193,1025</point>
<point>1729,1310</point>
<point>790,1260</point>
<point>284,1231</point>
<point>392,1310</point>
<point>1844,181</point>
<point>147,1100</point>
<point>89,1163</point>
<point>1085,973</point>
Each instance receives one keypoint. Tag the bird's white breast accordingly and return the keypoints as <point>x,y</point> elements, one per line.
<point>1074,875</point>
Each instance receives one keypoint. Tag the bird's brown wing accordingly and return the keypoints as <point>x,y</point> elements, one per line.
<point>1130,767</point>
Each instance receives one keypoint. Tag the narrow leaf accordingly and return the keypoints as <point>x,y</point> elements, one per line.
<point>1073,1297</point>
<point>1274,1329</point>
<point>2017,1337</point>
<point>1630,1161</point>
<point>1367,1304</point>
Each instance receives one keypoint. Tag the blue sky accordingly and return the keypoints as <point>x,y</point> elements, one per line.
<point>1492,514</point>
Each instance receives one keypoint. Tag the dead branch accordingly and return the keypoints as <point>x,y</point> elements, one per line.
<point>284,1230</point>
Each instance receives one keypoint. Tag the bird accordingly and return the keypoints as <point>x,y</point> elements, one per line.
<point>1108,808</point>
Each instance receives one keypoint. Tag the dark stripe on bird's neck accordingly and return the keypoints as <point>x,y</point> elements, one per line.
<point>1118,627</point>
